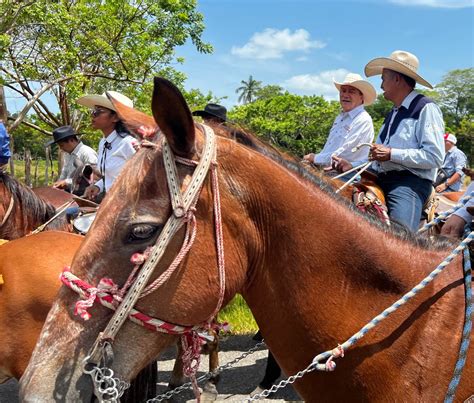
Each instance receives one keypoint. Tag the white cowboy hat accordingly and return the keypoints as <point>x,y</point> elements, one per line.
<point>356,81</point>
<point>399,61</point>
<point>94,100</point>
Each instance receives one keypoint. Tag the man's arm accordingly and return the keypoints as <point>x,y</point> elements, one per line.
<point>430,154</point>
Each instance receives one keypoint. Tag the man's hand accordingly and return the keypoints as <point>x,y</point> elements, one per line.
<point>340,164</point>
<point>91,192</point>
<point>379,152</point>
<point>453,227</point>
<point>309,157</point>
<point>62,184</point>
<point>441,187</point>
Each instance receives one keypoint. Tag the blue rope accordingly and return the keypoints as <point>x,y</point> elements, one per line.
<point>463,348</point>
<point>327,356</point>
<point>462,201</point>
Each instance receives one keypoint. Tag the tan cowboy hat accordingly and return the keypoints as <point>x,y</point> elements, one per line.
<point>356,81</point>
<point>399,61</point>
<point>94,100</point>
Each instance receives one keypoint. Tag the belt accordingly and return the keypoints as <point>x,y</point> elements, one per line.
<point>400,174</point>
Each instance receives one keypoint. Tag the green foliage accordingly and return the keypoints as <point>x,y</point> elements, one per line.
<point>269,91</point>
<point>89,46</point>
<point>239,317</point>
<point>378,110</point>
<point>248,90</point>
<point>465,135</point>
<point>300,124</point>
<point>456,96</point>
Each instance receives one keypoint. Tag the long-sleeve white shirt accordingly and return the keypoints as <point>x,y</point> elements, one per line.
<point>114,151</point>
<point>462,212</point>
<point>83,153</point>
<point>348,130</point>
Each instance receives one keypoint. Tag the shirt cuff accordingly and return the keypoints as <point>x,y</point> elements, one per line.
<point>396,155</point>
<point>462,212</point>
<point>99,185</point>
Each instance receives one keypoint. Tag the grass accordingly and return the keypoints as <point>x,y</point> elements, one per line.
<point>20,172</point>
<point>239,317</point>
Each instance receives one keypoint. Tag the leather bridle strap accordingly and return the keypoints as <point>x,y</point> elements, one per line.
<point>181,204</point>
<point>9,211</point>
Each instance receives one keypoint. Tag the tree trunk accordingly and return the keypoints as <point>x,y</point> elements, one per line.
<point>46,168</point>
<point>35,180</point>
<point>28,167</point>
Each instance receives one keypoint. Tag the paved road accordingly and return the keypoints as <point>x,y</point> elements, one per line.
<point>234,384</point>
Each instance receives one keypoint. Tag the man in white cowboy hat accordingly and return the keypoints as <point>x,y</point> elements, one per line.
<point>450,174</point>
<point>116,146</point>
<point>352,126</point>
<point>410,148</point>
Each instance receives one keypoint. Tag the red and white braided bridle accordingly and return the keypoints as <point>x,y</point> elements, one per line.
<point>123,300</point>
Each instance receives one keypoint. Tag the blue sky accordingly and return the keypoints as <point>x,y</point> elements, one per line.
<point>302,45</point>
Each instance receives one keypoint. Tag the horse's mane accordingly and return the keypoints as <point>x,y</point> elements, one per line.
<point>33,208</point>
<point>304,171</point>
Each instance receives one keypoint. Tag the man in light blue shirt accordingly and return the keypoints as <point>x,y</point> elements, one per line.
<point>410,147</point>
<point>454,161</point>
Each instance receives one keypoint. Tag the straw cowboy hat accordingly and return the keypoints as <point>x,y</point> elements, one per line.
<point>94,100</point>
<point>356,81</point>
<point>399,61</point>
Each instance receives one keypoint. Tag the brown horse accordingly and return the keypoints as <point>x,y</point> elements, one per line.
<point>22,210</point>
<point>30,267</point>
<point>312,270</point>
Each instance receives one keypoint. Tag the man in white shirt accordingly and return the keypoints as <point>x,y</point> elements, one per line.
<point>76,154</point>
<point>353,126</point>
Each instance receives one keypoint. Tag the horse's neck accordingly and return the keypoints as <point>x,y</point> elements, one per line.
<point>320,263</point>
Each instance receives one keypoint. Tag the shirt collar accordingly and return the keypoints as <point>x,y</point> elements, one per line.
<point>354,112</point>
<point>408,99</point>
<point>77,148</point>
<point>111,137</point>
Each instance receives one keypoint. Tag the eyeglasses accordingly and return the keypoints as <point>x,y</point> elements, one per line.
<point>97,112</point>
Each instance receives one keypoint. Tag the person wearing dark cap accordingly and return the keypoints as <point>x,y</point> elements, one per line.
<point>76,154</point>
<point>214,113</point>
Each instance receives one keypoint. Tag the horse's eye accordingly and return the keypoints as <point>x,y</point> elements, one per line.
<point>142,232</point>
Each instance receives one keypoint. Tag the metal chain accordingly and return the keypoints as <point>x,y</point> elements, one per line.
<point>207,376</point>
<point>283,383</point>
<point>107,388</point>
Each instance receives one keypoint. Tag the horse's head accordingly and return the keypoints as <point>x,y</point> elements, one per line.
<point>132,217</point>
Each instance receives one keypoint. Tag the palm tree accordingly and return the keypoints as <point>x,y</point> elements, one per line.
<point>248,90</point>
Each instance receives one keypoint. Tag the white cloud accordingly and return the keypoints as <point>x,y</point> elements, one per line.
<point>435,3</point>
<point>273,43</point>
<point>316,84</point>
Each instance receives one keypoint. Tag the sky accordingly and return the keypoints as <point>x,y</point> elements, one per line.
<point>302,45</point>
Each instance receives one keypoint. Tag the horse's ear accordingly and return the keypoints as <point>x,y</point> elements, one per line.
<point>173,117</point>
<point>137,122</point>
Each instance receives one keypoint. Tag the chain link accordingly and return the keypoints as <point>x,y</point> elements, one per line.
<point>107,388</point>
<point>207,376</point>
<point>283,383</point>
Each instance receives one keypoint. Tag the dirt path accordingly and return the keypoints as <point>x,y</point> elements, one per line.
<point>234,385</point>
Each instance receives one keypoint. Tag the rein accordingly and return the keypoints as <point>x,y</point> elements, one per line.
<point>9,211</point>
<point>183,205</point>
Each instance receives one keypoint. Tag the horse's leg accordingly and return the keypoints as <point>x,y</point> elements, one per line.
<point>272,373</point>
<point>212,347</point>
<point>143,387</point>
<point>177,376</point>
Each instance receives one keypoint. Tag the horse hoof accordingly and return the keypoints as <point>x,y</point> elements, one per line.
<point>256,391</point>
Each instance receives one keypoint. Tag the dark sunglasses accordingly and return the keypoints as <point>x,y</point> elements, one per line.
<point>97,112</point>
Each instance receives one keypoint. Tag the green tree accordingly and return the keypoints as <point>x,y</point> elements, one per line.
<point>248,90</point>
<point>269,91</point>
<point>378,110</point>
<point>456,92</point>
<point>69,48</point>
<point>299,124</point>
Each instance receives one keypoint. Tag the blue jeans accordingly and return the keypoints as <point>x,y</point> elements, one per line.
<point>405,195</point>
